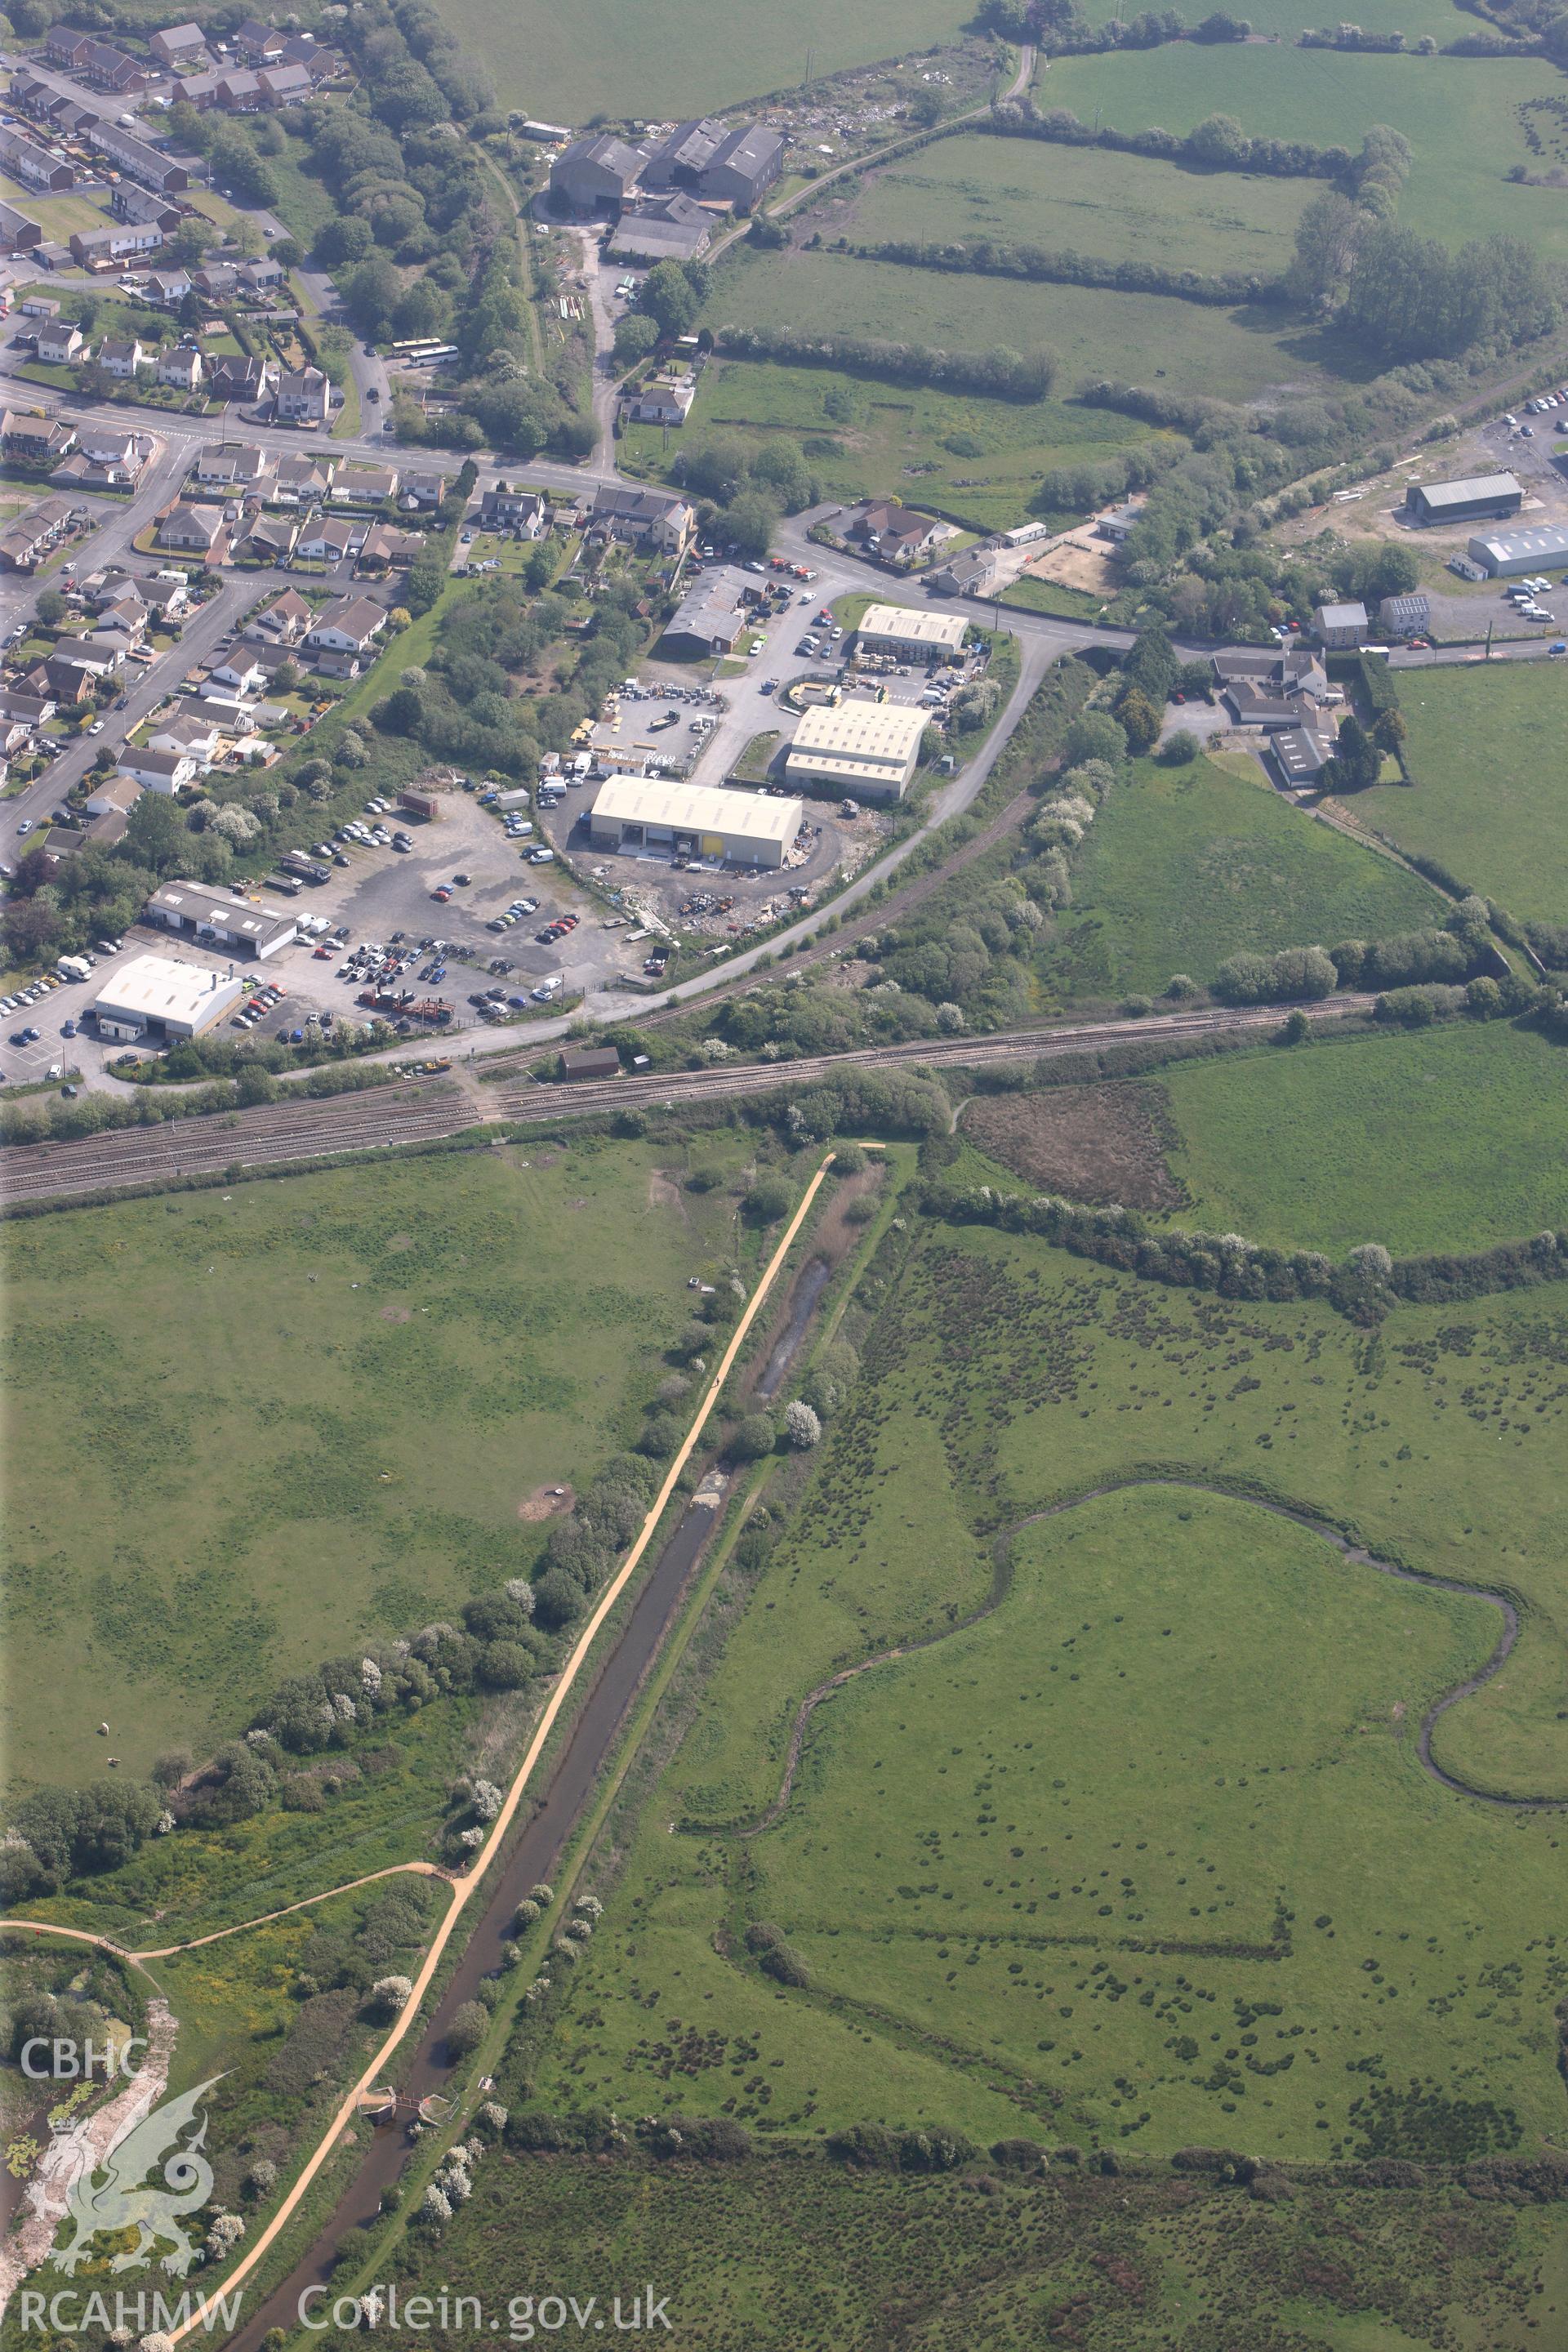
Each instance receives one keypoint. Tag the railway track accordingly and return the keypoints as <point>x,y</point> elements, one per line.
<point>383,1120</point>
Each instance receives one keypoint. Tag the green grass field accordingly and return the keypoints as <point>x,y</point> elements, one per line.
<point>677,58</point>
<point>1461,116</point>
<point>1485,751</point>
<point>980,459</point>
<point>1187,866</point>
<point>1450,1139</point>
<point>1235,354</point>
<point>247,1432</point>
<point>1113,207</point>
<point>1145,1855</point>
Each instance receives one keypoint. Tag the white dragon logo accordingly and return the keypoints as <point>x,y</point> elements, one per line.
<point>124,2197</point>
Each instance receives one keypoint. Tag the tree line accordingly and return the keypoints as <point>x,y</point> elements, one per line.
<point>1218,143</point>
<point>1039,264</point>
<point>1000,373</point>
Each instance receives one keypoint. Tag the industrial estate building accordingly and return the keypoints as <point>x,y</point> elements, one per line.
<point>1509,552</point>
<point>161,996</point>
<point>909,635</point>
<point>709,619</point>
<point>200,914</point>
<point>1480,497</point>
<point>869,749</point>
<point>694,820</point>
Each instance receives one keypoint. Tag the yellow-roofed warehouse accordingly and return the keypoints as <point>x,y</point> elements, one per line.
<point>868,748</point>
<point>695,821</point>
<point>907,635</point>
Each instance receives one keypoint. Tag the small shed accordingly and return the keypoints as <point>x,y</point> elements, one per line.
<point>590,1062</point>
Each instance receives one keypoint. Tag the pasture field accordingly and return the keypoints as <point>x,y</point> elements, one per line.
<point>1485,750</point>
<point>1233,354</point>
<point>247,1432</point>
<point>675,58</point>
<point>981,459</point>
<point>1460,115</point>
<point>1184,867</point>
<point>1143,1855</point>
<point>781,2254</point>
<point>1446,1139</point>
<point>1084,199</point>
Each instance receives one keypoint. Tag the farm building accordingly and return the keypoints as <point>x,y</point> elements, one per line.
<point>695,821</point>
<point>1340,624</point>
<point>1511,551</point>
<point>1301,754</point>
<point>909,635</point>
<point>724,166</point>
<point>1480,497</point>
<point>869,749</point>
<point>595,175</point>
<point>673,227</point>
<point>160,996</point>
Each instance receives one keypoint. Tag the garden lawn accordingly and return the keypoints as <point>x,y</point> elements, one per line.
<point>1232,354</point>
<point>246,1433</point>
<point>980,460</point>
<point>1448,1138</point>
<point>1146,1855</point>
<point>1084,200</point>
<point>1184,867</point>
<point>675,58</point>
<point>1485,751</point>
<point>1460,115</point>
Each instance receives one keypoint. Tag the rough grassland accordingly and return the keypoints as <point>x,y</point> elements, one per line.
<point>1187,866</point>
<point>1485,749</point>
<point>1146,1855</point>
<point>1235,354</point>
<point>1445,1139</point>
<point>1114,207</point>
<point>895,439</point>
<point>666,58</point>
<point>783,2256</point>
<point>1459,114</point>
<point>247,1431</point>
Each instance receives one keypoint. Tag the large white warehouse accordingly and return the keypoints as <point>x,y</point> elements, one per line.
<point>869,749</point>
<point>161,996</point>
<point>694,820</point>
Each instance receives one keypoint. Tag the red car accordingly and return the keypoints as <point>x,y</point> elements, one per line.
<point>443,894</point>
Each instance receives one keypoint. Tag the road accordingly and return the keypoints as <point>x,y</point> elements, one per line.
<point>420,1111</point>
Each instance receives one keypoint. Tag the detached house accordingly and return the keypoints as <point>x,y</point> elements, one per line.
<point>117,357</point>
<point>641,518</point>
<point>61,343</point>
<point>328,540</point>
<point>303,396</point>
<point>300,482</point>
<point>350,625</point>
<point>195,531</point>
<point>281,623</point>
<point>181,366</point>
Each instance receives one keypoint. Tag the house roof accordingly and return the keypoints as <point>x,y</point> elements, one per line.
<point>355,616</point>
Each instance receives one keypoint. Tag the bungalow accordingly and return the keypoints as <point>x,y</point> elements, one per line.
<point>281,622</point>
<point>911,537</point>
<point>303,396</point>
<point>422,492</point>
<point>181,366</point>
<point>125,614</point>
<point>259,276</point>
<point>61,343</point>
<point>350,625</point>
<point>118,357</point>
<point>157,771</point>
<point>108,806</point>
<point>115,248</point>
<point>229,465</point>
<point>26,711</point>
<point>33,437</point>
<point>300,481</point>
<point>328,540</point>
<point>363,485</point>
<point>194,530</point>
<point>242,378</point>
<point>167,593</point>
<point>974,573</point>
<point>268,538</point>
<point>665,401</point>
<point>525,512</point>
<point>239,674</point>
<point>384,545</point>
<point>193,736</point>
<point>178,46</point>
